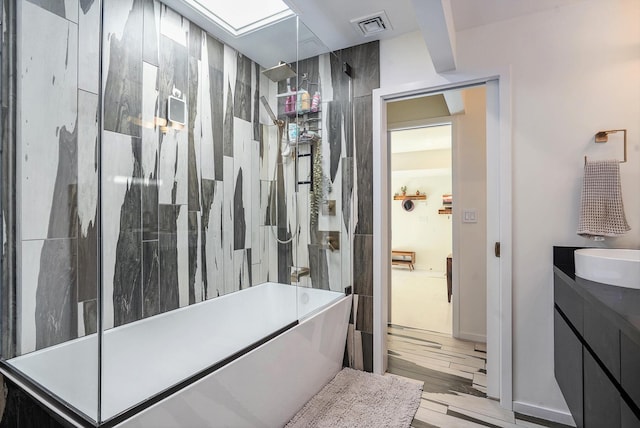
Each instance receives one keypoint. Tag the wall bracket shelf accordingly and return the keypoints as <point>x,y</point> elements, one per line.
<point>412,197</point>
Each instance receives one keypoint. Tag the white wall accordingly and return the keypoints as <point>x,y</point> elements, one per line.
<point>423,230</point>
<point>471,193</point>
<point>575,71</point>
<point>404,59</point>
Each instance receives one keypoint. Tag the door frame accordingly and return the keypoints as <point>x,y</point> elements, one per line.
<point>499,219</point>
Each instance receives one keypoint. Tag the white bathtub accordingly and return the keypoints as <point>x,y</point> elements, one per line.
<point>147,357</point>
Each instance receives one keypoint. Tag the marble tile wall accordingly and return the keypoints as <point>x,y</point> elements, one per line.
<point>185,207</point>
<point>199,182</point>
<point>189,211</point>
<point>345,153</point>
<point>55,221</point>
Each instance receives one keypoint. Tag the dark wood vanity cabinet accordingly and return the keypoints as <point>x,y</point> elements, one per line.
<point>597,366</point>
<point>568,366</point>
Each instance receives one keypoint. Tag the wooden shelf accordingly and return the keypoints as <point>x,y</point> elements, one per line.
<point>444,211</point>
<point>412,197</point>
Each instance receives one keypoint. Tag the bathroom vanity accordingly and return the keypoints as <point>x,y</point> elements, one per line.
<point>596,347</point>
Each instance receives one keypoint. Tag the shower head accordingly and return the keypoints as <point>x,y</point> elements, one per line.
<point>280,72</point>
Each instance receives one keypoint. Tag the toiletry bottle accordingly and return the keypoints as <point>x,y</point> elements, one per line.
<point>300,99</point>
<point>290,105</point>
<point>315,103</point>
<point>293,132</point>
<point>305,101</point>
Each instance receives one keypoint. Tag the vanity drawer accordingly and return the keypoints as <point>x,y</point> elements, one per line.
<point>568,366</point>
<point>602,402</point>
<point>569,302</point>
<point>630,368</point>
<point>603,337</point>
<point>629,419</point>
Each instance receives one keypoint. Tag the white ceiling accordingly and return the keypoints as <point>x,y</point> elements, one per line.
<point>421,139</point>
<point>474,13</point>
<point>329,20</point>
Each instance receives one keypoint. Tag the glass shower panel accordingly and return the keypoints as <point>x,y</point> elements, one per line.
<point>323,174</point>
<point>51,297</point>
<point>194,202</point>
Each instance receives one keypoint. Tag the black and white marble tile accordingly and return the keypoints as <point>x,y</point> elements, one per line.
<point>89,46</point>
<point>150,278</point>
<point>122,66</point>
<point>87,317</point>
<point>268,152</point>
<point>242,269</point>
<point>242,198</point>
<point>242,96</point>
<point>118,172</point>
<point>363,265</point>
<point>127,276</point>
<point>150,159</point>
<point>228,231</point>
<point>257,85</point>
<point>365,62</point>
<point>88,130</point>
<point>260,269</point>
<point>192,213</point>
<point>230,68</point>
<point>194,124</point>
<point>47,124</point>
<point>26,301</point>
<point>196,290</point>
<point>49,164</point>
<point>173,250</point>
<point>255,201</point>
<point>212,238</point>
<point>55,310</point>
<point>67,9</point>
<point>151,28</point>
<point>173,75</point>
<point>213,89</point>
<point>364,165</point>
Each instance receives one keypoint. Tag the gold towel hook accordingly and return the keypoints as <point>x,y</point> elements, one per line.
<point>603,137</point>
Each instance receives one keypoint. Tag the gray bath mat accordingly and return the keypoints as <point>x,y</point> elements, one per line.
<point>358,399</point>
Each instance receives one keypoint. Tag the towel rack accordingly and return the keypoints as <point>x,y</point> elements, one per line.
<point>603,137</point>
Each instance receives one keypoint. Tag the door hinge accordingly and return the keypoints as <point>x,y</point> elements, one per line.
<point>496,249</point>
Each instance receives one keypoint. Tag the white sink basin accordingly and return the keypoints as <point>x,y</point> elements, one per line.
<point>609,266</point>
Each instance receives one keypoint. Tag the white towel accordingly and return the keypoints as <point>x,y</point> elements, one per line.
<point>601,208</point>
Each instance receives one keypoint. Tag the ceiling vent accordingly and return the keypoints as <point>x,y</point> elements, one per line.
<point>372,25</point>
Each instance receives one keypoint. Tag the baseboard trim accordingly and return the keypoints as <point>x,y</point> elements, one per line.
<point>552,415</point>
<point>472,337</point>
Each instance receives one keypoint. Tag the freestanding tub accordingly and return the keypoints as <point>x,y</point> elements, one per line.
<point>206,364</point>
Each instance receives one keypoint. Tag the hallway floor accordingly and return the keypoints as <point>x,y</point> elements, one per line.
<point>454,377</point>
<point>419,299</point>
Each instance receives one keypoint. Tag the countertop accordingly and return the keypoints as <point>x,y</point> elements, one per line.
<point>621,305</point>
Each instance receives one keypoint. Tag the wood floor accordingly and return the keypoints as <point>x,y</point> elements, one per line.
<point>454,376</point>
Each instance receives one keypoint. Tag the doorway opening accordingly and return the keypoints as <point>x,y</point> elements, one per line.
<point>498,218</point>
<point>421,226</point>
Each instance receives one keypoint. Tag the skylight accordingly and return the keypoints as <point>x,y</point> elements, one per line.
<point>242,16</point>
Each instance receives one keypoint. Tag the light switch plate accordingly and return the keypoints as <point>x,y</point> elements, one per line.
<point>470,215</point>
